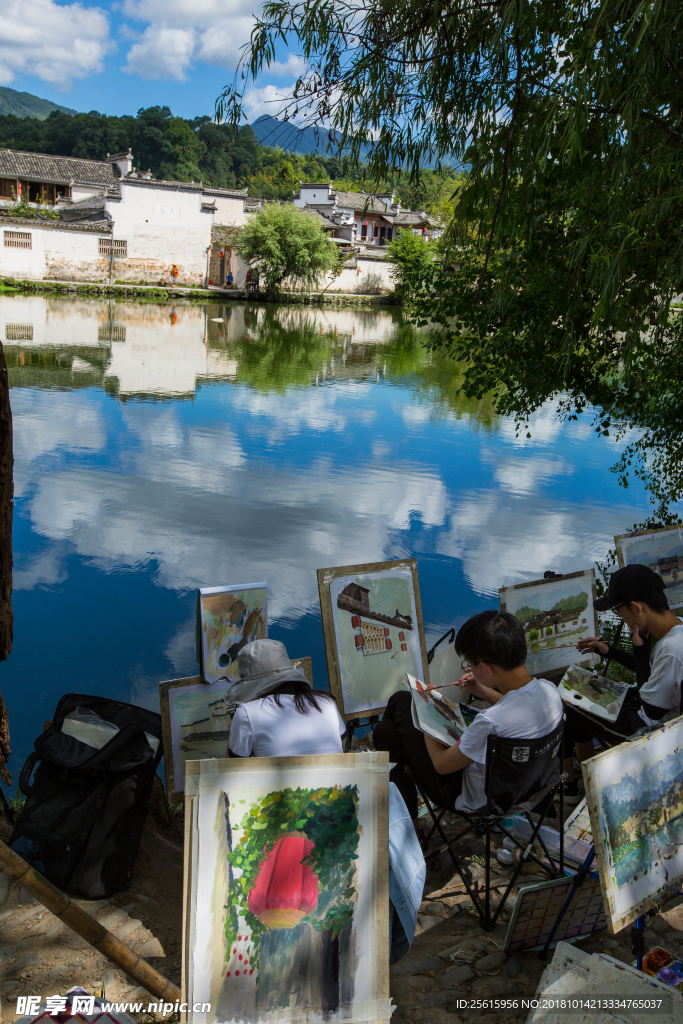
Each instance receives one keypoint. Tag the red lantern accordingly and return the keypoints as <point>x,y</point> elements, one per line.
<point>404,647</point>
<point>285,890</point>
<point>222,254</point>
<point>387,644</point>
<point>355,619</point>
<point>386,631</point>
<point>359,641</point>
<point>401,636</point>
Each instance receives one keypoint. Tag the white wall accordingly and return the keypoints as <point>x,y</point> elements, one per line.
<point>370,277</point>
<point>163,227</point>
<point>60,323</point>
<point>229,210</point>
<point>60,253</point>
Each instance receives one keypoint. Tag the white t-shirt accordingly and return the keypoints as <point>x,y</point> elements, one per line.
<point>663,688</point>
<point>529,713</point>
<point>262,729</point>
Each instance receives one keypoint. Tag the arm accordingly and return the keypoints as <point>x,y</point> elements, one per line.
<point>446,760</point>
<point>468,682</point>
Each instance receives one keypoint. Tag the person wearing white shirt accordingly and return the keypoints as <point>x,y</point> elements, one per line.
<point>279,713</point>
<point>637,594</point>
<point>494,650</point>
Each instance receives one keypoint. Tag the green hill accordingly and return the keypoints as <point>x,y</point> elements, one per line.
<point>23,104</point>
<point>525,613</point>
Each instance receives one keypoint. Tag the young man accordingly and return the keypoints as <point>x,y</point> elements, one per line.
<point>636,594</point>
<point>494,651</point>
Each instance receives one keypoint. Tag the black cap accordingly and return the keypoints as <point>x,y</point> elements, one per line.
<point>632,583</point>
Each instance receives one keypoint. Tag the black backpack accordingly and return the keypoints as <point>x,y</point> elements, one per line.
<point>82,822</point>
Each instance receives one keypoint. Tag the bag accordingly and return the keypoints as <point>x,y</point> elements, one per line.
<point>81,825</point>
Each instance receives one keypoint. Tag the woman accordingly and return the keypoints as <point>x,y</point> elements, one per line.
<point>279,713</point>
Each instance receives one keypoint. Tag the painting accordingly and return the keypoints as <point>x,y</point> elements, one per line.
<point>286,889</point>
<point>662,551</point>
<point>435,714</point>
<point>195,718</point>
<point>634,794</point>
<point>372,624</point>
<point>228,618</point>
<point>595,694</point>
<point>556,613</point>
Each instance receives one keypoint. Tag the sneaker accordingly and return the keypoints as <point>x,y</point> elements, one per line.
<point>573,793</point>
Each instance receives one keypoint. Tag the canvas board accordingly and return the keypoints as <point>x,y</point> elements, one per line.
<point>555,614</point>
<point>372,625</point>
<point>445,668</point>
<point>592,693</point>
<point>662,551</point>
<point>578,824</point>
<point>434,714</point>
<point>227,619</point>
<point>634,794</point>
<point>288,924</point>
<point>537,907</point>
<point>195,721</point>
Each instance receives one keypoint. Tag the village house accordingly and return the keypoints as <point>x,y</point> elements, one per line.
<point>101,220</point>
<point>367,218</point>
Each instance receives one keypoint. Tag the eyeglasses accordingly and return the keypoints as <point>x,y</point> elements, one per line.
<point>465,665</point>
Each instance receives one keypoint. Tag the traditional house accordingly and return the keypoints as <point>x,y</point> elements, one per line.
<point>109,222</point>
<point>364,217</point>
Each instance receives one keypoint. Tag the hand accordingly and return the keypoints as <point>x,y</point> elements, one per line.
<point>468,682</point>
<point>638,637</point>
<point>592,645</point>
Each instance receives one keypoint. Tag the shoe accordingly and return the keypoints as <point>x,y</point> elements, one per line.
<point>573,793</point>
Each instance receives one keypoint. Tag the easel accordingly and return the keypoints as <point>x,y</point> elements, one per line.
<point>355,723</point>
<point>637,928</point>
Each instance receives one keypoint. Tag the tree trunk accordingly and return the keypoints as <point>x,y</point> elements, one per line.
<point>330,986</point>
<point>6,496</point>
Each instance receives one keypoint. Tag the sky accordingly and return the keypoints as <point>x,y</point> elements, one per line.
<point>117,57</point>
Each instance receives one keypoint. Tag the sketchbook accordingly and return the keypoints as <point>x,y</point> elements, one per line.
<point>595,694</point>
<point>435,715</point>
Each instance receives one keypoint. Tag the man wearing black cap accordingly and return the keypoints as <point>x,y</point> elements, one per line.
<point>636,594</point>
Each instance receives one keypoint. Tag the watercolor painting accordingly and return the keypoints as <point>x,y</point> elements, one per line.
<point>556,614</point>
<point>285,916</point>
<point>662,551</point>
<point>196,719</point>
<point>228,618</point>
<point>435,714</point>
<point>372,623</point>
<point>595,694</point>
<point>635,801</point>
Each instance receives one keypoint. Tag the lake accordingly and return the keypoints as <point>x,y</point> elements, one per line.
<point>161,447</point>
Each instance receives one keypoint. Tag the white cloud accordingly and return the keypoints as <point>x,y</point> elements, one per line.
<point>180,32</point>
<point>56,42</point>
<point>266,99</point>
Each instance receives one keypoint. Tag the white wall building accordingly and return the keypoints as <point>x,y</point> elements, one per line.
<point>113,224</point>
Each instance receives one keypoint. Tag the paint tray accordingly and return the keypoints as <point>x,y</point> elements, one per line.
<point>656,959</point>
<point>591,693</point>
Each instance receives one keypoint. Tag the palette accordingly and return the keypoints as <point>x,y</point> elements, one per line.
<point>538,906</point>
<point>664,966</point>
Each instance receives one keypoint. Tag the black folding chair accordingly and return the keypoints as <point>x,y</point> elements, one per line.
<point>521,776</point>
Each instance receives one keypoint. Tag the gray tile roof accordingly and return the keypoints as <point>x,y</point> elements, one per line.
<point>232,193</point>
<point>362,201</point>
<point>55,169</point>
<point>101,227</point>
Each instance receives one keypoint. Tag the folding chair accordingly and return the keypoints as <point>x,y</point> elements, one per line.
<point>521,775</point>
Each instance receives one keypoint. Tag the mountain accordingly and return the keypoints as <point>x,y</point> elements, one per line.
<point>23,104</point>
<point>272,132</point>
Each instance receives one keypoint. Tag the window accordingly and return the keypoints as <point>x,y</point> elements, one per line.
<point>114,333</point>
<point>18,332</point>
<point>106,244</point>
<point>18,240</point>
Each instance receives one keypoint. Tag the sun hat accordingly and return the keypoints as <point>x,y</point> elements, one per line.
<point>264,665</point>
<point>632,583</point>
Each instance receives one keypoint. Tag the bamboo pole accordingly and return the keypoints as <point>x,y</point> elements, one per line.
<point>86,926</point>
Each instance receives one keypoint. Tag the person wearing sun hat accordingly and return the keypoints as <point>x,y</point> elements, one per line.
<point>636,594</point>
<point>279,713</point>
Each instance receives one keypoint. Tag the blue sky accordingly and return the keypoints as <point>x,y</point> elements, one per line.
<point>118,57</point>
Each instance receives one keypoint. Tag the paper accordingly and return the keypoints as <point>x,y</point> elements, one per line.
<point>434,714</point>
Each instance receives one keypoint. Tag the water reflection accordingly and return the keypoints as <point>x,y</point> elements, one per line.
<point>159,448</point>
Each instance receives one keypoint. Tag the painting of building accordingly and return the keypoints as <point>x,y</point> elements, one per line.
<point>635,800</point>
<point>373,632</point>
<point>662,551</point>
<point>556,613</point>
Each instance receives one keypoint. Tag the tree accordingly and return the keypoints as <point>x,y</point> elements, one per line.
<point>285,242</point>
<point>567,239</point>
<point>413,256</point>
